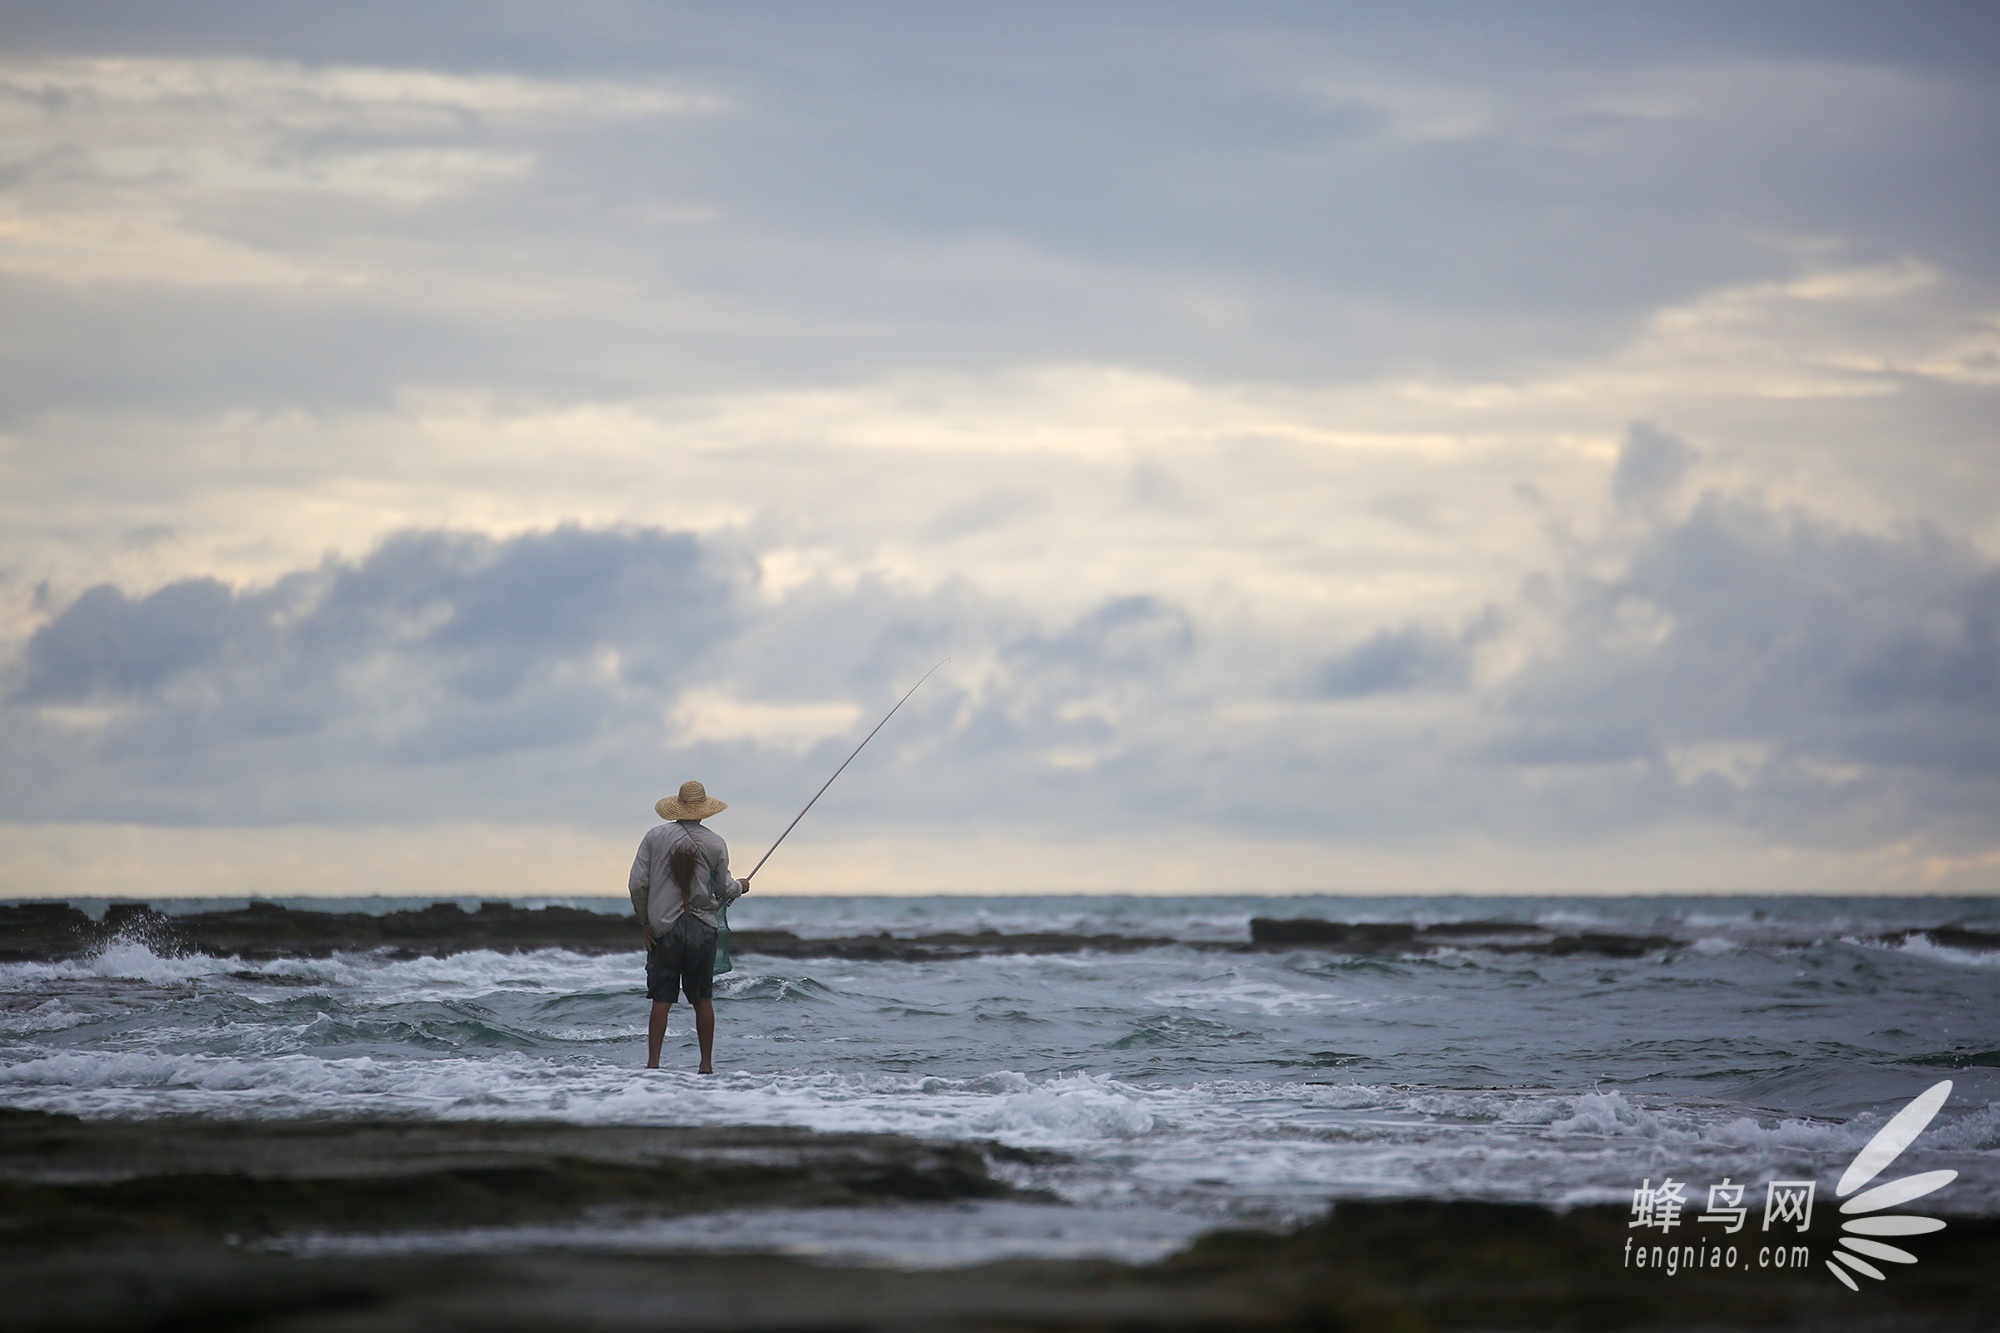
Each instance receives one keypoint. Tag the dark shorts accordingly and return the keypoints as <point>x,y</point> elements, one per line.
<point>682,961</point>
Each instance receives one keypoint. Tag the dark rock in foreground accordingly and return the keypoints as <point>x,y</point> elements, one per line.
<point>143,1225</point>
<point>64,1180</point>
<point>1416,1264</point>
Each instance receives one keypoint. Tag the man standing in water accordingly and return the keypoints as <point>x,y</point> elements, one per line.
<point>679,880</point>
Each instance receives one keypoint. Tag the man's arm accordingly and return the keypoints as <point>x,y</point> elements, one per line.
<point>640,884</point>
<point>731,888</point>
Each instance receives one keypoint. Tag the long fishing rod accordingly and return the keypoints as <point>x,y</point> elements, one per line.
<point>838,771</point>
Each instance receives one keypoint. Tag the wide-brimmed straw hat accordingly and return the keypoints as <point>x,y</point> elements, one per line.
<point>694,802</point>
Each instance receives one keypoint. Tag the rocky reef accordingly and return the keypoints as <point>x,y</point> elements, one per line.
<point>183,1224</point>
<point>1402,937</point>
<point>45,931</point>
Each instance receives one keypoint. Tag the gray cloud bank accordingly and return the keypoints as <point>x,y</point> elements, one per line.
<point>1268,191</point>
<point>1763,666</point>
<point>1230,390</point>
<point>1728,660</point>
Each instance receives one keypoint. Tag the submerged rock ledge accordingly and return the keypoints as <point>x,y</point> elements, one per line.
<point>63,1179</point>
<point>1395,937</point>
<point>51,931</point>
<point>116,1225</point>
<point>1401,937</point>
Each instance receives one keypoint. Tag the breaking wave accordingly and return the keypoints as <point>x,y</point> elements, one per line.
<point>1243,1084</point>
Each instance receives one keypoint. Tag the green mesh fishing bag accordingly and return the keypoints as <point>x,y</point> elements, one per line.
<point>722,963</point>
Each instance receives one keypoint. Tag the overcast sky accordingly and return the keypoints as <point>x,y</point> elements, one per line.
<point>1416,447</point>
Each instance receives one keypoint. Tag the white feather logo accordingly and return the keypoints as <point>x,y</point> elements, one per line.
<point>1884,1148</point>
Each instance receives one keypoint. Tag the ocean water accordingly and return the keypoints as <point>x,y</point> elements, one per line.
<point>1170,1090</point>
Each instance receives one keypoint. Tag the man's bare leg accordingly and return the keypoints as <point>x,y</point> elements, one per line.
<point>704,1028</point>
<point>656,1032</point>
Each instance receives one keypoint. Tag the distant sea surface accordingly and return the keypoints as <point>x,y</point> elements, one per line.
<point>1165,1090</point>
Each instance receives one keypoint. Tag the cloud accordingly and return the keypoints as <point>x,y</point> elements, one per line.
<point>446,674</point>
<point>489,614</point>
<point>1127,636</point>
<point>710,715</point>
<point>118,162</point>
<point>982,514</point>
<point>1395,659</point>
<point>1742,664</point>
<point>1767,666</point>
<point>482,615</point>
<point>1650,466</point>
<point>333,688</point>
<point>108,644</point>
<point>281,216</point>
<point>1408,657</point>
<point>537,408</point>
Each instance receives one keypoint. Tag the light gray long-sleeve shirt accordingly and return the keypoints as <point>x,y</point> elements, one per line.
<point>655,896</point>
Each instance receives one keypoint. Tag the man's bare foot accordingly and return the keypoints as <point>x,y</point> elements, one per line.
<point>706,1069</point>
